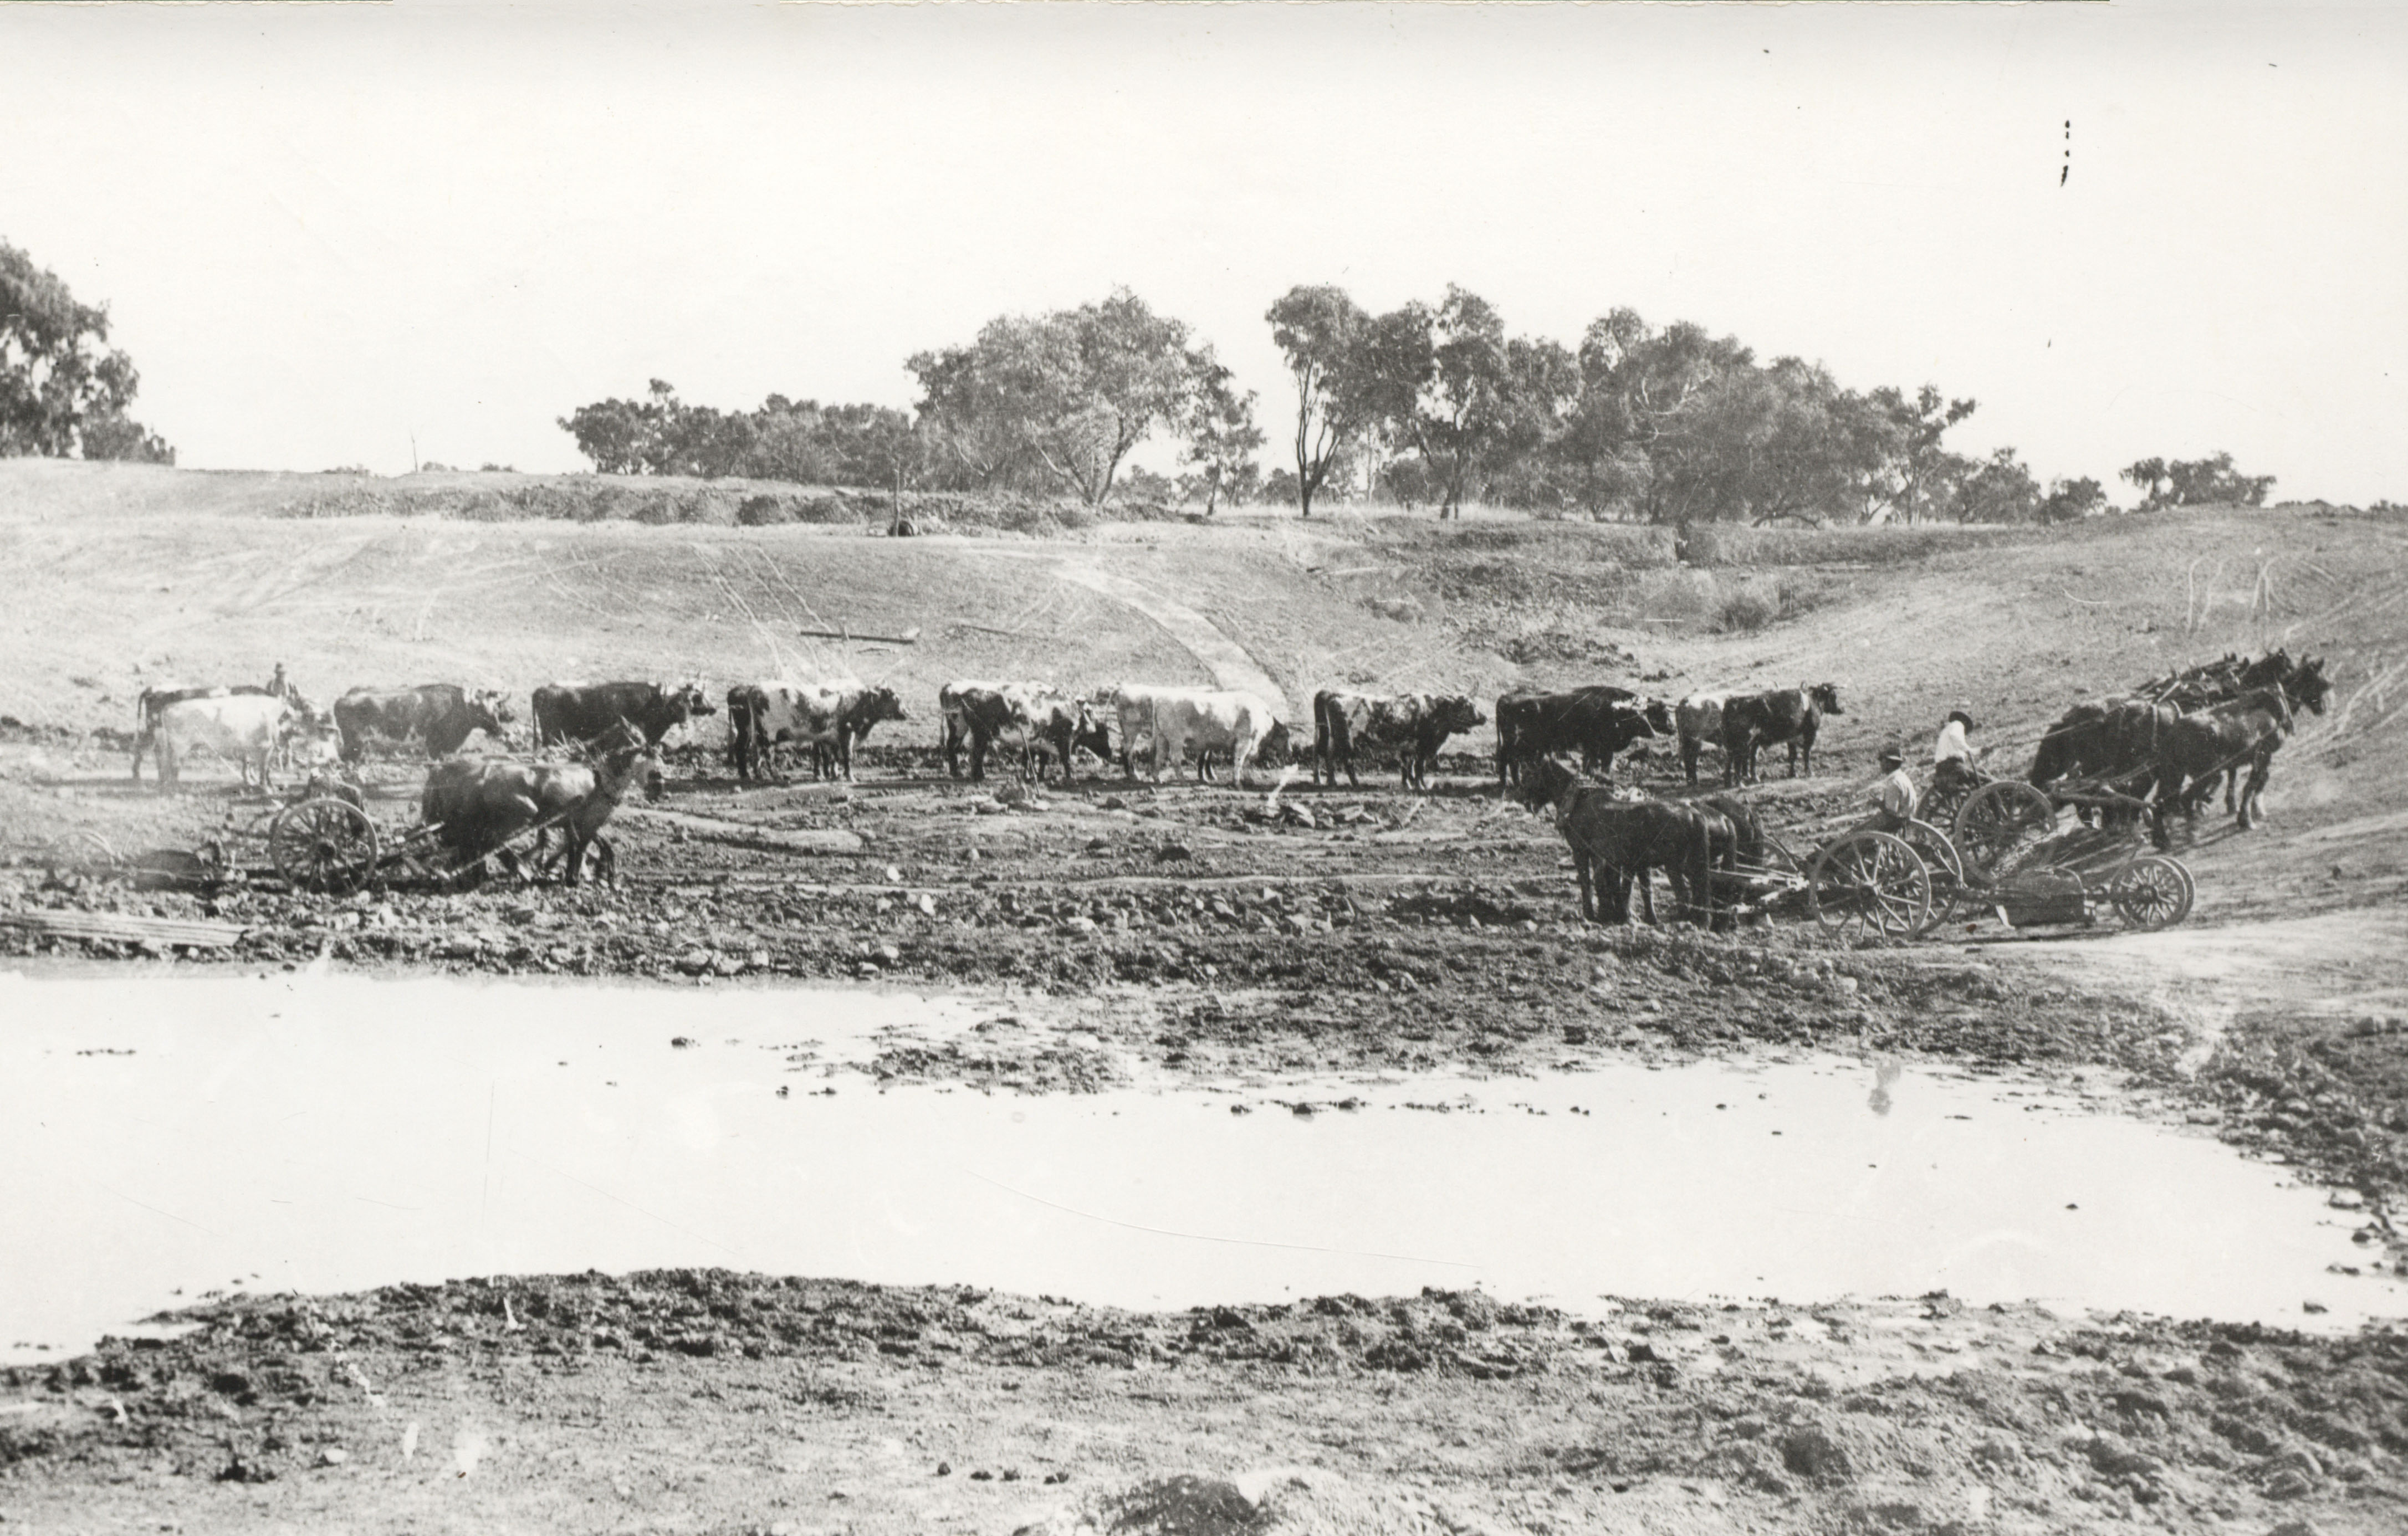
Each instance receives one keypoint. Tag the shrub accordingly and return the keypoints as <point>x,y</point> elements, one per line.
<point>762,511</point>
<point>1744,611</point>
<point>1726,544</point>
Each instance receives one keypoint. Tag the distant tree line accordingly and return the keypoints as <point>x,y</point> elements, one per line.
<point>1438,403</point>
<point>1052,403</point>
<point>64,391</point>
<point>1428,405</point>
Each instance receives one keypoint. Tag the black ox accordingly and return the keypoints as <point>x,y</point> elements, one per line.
<point>1791,715</point>
<point>478,805</point>
<point>567,712</point>
<point>439,716</point>
<point>1596,721</point>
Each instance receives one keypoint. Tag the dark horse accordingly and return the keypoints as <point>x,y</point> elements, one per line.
<point>2205,745</point>
<point>2122,740</point>
<point>1613,841</point>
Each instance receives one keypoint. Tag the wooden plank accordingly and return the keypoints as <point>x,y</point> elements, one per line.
<point>125,928</point>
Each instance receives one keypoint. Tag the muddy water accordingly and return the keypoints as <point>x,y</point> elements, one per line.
<point>164,1136</point>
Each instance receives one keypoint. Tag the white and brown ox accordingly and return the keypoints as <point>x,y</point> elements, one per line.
<point>1028,720</point>
<point>1204,721</point>
<point>252,729</point>
<point>1412,725</point>
<point>830,718</point>
<point>479,804</point>
<point>1699,719</point>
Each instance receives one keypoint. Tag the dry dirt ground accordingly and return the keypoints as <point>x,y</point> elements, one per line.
<point>1231,934</point>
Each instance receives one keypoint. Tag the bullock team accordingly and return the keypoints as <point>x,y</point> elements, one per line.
<point>2167,747</point>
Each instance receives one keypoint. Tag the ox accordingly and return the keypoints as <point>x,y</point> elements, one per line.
<point>1132,707</point>
<point>1791,715</point>
<point>1597,722</point>
<point>439,716</point>
<point>477,804</point>
<point>248,728</point>
<point>1699,719</point>
<point>1615,841</point>
<point>1416,725</point>
<point>306,719</point>
<point>829,718</point>
<point>1027,717</point>
<point>1206,721</point>
<point>953,717</point>
<point>567,712</point>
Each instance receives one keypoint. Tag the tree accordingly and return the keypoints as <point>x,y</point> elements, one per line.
<point>783,439</point>
<point>1911,483</point>
<point>1636,440</point>
<point>2191,482</point>
<point>1322,332</point>
<point>62,391</point>
<point>1221,437</point>
<point>2071,501</point>
<point>1063,397</point>
<point>1999,489</point>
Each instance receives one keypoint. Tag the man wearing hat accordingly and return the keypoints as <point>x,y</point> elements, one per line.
<point>1952,757</point>
<point>1894,793</point>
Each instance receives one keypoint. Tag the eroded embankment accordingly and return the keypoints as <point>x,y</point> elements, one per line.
<point>727,1402</point>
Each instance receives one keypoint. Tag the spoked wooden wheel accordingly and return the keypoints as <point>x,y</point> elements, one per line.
<point>1870,883</point>
<point>1999,819</point>
<point>1949,888</point>
<point>84,850</point>
<point>324,845</point>
<point>2153,892</point>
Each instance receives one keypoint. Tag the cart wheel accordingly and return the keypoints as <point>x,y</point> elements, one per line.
<point>1949,888</point>
<point>1871,882</point>
<point>324,844</point>
<point>1998,819</point>
<point>2154,892</point>
<point>85,850</point>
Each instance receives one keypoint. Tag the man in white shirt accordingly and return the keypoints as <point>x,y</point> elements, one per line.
<point>1894,793</point>
<point>1952,755</point>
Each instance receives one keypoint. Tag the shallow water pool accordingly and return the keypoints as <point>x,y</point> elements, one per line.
<point>166,1136</point>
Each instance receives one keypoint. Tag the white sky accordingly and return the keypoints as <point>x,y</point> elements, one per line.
<point>320,228</point>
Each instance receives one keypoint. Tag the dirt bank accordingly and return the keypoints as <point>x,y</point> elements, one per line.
<point>705,1400</point>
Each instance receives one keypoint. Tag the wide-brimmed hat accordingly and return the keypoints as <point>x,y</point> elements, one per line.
<point>1893,754</point>
<point>1961,715</point>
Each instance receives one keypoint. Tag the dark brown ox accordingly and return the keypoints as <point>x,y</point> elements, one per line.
<point>1595,721</point>
<point>1790,715</point>
<point>1414,726</point>
<point>477,804</point>
<point>568,712</point>
<point>1615,841</point>
<point>439,716</point>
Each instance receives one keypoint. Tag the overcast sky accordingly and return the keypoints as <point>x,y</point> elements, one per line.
<point>322,228</point>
